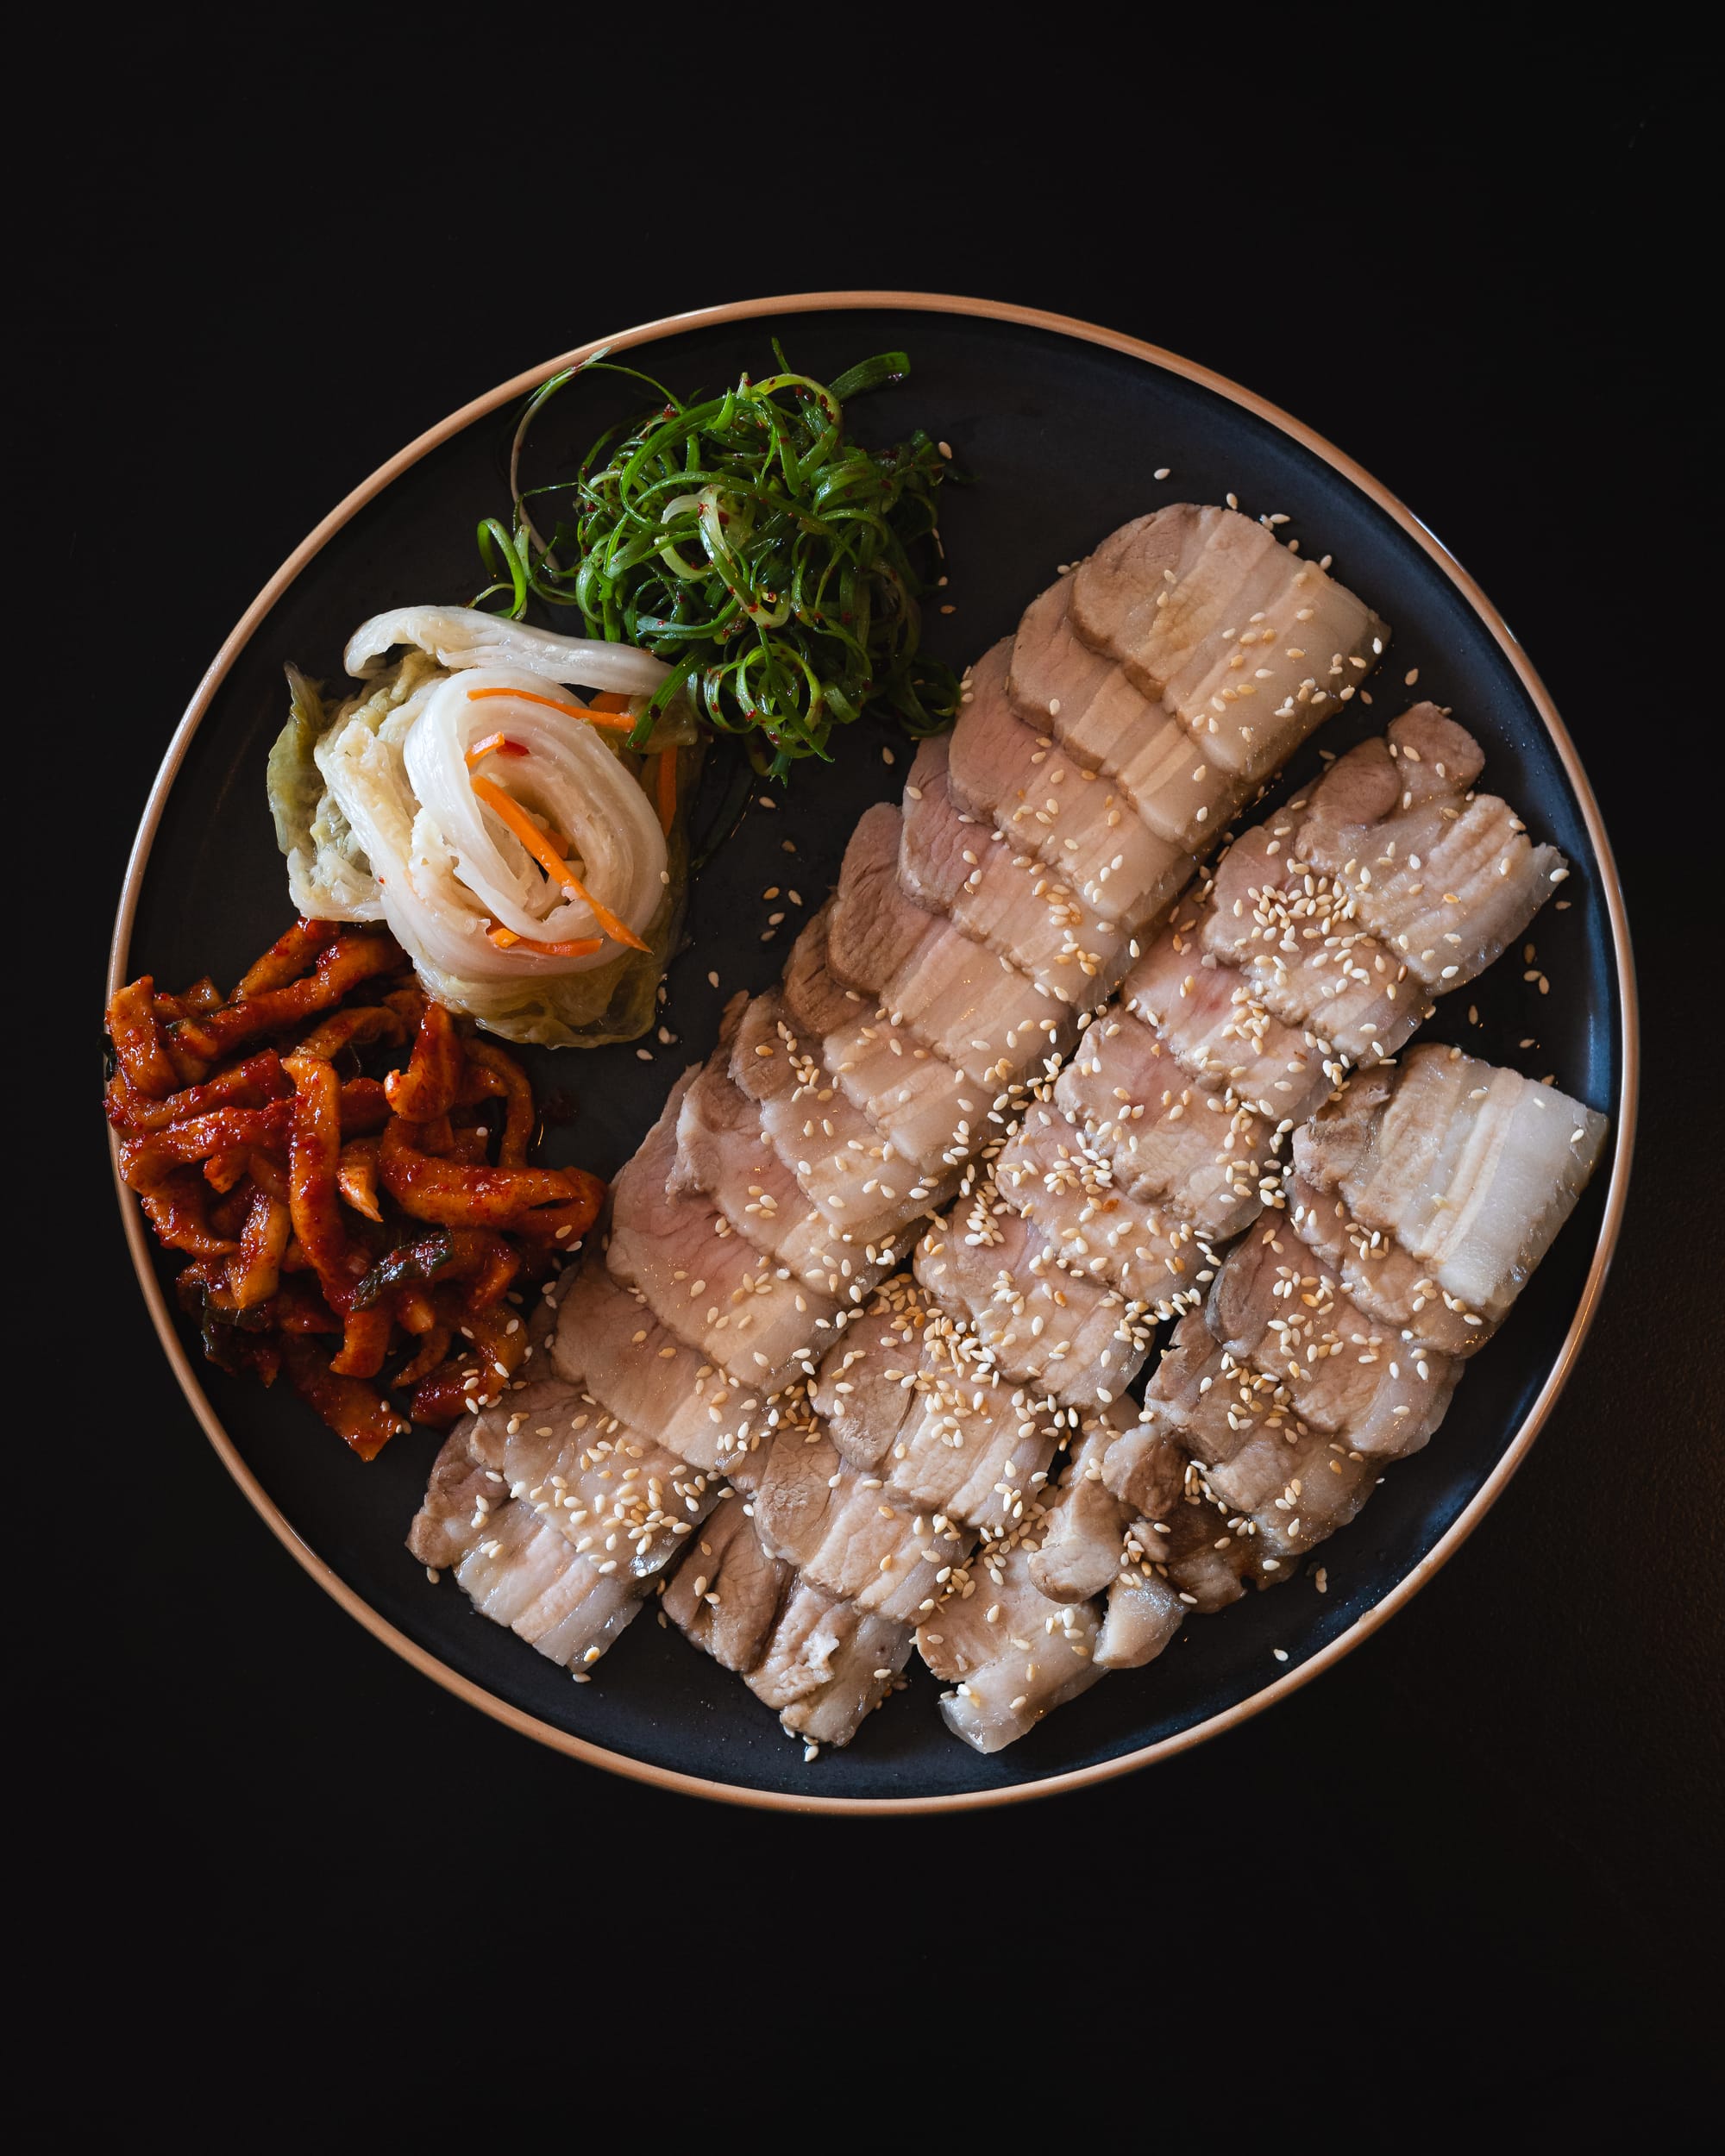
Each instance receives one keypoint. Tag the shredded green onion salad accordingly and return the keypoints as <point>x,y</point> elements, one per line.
<point>745,541</point>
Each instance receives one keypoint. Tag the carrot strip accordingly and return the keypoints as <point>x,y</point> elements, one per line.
<point>665,789</point>
<point>618,724</point>
<point>500,743</point>
<point>577,947</point>
<point>522,824</point>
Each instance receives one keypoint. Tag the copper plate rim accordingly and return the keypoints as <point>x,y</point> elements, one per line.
<point>1460,1528</point>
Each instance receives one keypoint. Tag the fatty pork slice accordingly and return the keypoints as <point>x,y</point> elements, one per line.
<point>460,1495</point>
<point>1011,1653</point>
<point>840,1530</point>
<point>932,1115</point>
<point>1144,1466</point>
<point>1057,683</point>
<point>609,1343</point>
<point>827,1664</point>
<point>1214,1401</point>
<point>1220,1028</point>
<point>1321,1488</point>
<point>750,1317</point>
<point>1472,1169</point>
<point>1448,878</point>
<point>1080,1537</point>
<point>1172,1139</point>
<point>723,1150</point>
<point>1248,643</point>
<point>843,1165</point>
<point>726,1593</point>
<point>1038,1323</point>
<point>865,1388</point>
<point>614,1495</point>
<point>974,1449</point>
<point>1076,821</point>
<point>1141,1615</point>
<point>962,1000</point>
<point>1277,1304</point>
<point>1063,1181</point>
<point>523,1573</point>
<point>1000,895</point>
<point>1378,1275</point>
<point>1293,934</point>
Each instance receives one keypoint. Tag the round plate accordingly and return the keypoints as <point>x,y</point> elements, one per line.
<point>1063,427</point>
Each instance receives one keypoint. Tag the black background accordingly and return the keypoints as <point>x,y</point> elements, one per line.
<point>1474,1867</point>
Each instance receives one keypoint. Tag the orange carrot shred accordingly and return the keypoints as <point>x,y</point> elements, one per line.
<point>548,859</point>
<point>500,743</point>
<point>619,724</point>
<point>577,946</point>
<point>665,788</point>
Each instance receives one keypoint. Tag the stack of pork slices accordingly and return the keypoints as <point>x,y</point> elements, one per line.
<point>1329,1339</point>
<point>1143,701</point>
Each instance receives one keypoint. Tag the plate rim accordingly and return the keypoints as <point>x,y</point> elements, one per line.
<point>1519,1443</point>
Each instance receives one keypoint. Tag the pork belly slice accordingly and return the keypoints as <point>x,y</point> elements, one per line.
<point>726,1593</point>
<point>723,1150</point>
<point>1378,1275</point>
<point>1209,1564</point>
<point>1447,879</point>
<point>524,1574</point>
<point>1079,1541</point>
<point>827,1665</point>
<point>1057,683</point>
<point>1011,1653</point>
<point>1063,1181</point>
<point>613,1493</point>
<point>1471,1169</point>
<point>932,1115</point>
<point>1298,1496</point>
<point>1220,1028</point>
<point>845,1535</point>
<point>843,1165</point>
<point>1142,1614</point>
<point>1076,821</point>
<point>716,1292</point>
<point>864,1389</point>
<point>1293,935</point>
<point>460,1494</point>
<point>1036,1322</point>
<point>960,1000</point>
<point>1172,1139</point>
<point>1212,1400</point>
<point>1000,895</point>
<point>1144,1466</point>
<point>1277,1304</point>
<point>1248,643</point>
<point>610,1343</point>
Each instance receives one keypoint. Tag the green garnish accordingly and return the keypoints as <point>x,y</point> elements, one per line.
<point>745,541</point>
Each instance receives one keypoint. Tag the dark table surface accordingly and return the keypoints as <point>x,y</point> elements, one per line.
<point>1476,1861</point>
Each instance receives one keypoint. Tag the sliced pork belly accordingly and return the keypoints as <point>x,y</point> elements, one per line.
<point>1277,1304</point>
<point>1011,1653</point>
<point>460,1495</point>
<point>1076,821</point>
<point>1000,895</point>
<point>1062,1180</point>
<point>1473,1169</point>
<point>1322,1486</point>
<point>1246,642</point>
<point>932,1114</point>
<point>525,1575</point>
<point>1294,936</point>
<point>1172,1139</point>
<point>723,1150</point>
<point>1447,879</point>
<point>1220,1028</point>
<point>843,1163</point>
<point>613,1494</point>
<point>1144,1466</point>
<point>1038,1324</point>
<point>1079,1551</point>
<point>726,1593</point>
<point>827,1664</point>
<point>1212,1401</point>
<point>962,1000</point>
<point>1378,1275</point>
<point>838,1527</point>
<point>609,1343</point>
<point>1057,683</point>
<point>1209,1563</point>
<point>751,1318</point>
<point>1142,1615</point>
<point>864,1389</point>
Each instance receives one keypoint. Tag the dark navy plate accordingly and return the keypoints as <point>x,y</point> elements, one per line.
<point>1063,428</point>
